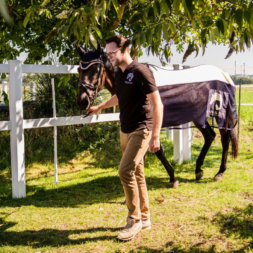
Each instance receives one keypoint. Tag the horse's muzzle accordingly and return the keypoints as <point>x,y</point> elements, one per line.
<point>83,102</point>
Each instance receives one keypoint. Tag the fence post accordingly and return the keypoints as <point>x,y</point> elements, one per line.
<point>182,143</point>
<point>187,142</point>
<point>178,145</point>
<point>169,134</point>
<point>17,130</point>
<point>55,135</point>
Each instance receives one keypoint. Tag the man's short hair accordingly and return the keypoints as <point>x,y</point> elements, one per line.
<point>120,41</point>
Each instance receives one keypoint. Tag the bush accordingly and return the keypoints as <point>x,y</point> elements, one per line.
<point>100,139</point>
<point>242,80</point>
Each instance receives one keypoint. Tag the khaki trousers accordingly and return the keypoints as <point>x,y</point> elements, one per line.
<point>131,171</point>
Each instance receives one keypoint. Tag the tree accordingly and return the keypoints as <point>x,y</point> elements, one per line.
<point>45,27</point>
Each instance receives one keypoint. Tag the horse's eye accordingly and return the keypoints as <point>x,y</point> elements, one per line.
<point>93,72</point>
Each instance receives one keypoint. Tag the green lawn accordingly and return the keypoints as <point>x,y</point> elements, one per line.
<point>246,94</point>
<point>84,212</point>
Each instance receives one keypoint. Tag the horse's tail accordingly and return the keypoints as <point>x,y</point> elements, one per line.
<point>234,141</point>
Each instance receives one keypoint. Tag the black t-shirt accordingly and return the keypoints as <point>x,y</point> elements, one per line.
<point>132,86</point>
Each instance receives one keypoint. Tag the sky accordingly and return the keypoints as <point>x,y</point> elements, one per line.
<point>214,55</point>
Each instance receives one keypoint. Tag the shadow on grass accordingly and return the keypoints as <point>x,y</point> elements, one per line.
<point>238,223</point>
<point>52,237</point>
<point>171,248</point>
<point>100,190</point>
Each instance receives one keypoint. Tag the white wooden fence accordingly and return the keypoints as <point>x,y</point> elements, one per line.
<point>17,124</point>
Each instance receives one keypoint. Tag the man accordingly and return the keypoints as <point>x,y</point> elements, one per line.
<point>141,114</point>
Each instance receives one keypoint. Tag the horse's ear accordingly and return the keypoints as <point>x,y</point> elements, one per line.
<point>81,51</point>
<point>98,47</point>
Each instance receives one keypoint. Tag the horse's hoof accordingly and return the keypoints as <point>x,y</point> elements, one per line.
<point>174,184</point>
<point>199,175</point>
<point>218,177</point>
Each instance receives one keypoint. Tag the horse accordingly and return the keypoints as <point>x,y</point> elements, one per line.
<point>190,95</point>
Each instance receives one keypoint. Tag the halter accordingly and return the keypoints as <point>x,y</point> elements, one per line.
<point>89,86</point>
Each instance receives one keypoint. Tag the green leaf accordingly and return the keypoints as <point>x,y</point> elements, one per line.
<point>159,32</point>
<point>247,14</point>
<point>151,12</point>
<point>176,5</point>
<point>137,40</point>
<point>78,31</point>
<point>247,39</point>
<point>45,2</point>
<point>203,36</point>
<point>172,27</point>
<point>165,7</point>
<point>206,21</point>
<point>116,6</point>
<point>239,17</point>
<point>93,40</point>
<point>142,38</point>
<point>134,17</point>
<point>189,7</point>
<point>104,5</point>
<point>165,32</point>
<point>241,43</point>
<point>64,80</point>
<point>98,32</point>
<point>149,35</point>
<point>220,25</point>
<point>27,19</point>
<point>167,53</point>
<point>157,7</point>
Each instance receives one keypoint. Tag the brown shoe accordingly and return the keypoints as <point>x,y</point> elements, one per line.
<point>131,229</point>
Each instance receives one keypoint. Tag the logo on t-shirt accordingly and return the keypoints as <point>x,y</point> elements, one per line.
<point>129,78</point>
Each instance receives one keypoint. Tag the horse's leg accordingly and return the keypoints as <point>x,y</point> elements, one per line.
<point>161,156</point>
<point>225,138</point>
<point>209,136</point>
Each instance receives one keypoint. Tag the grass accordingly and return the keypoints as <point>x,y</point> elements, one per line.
<point>247,94</point>
<point>84,212</point>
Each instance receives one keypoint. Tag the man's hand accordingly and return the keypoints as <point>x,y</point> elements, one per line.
<point>157,114</point>
<point>154,144</point>
<point>107,104</point>
<point>93,110</point>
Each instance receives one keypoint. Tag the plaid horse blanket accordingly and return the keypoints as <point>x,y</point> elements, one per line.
<point>196,94</point>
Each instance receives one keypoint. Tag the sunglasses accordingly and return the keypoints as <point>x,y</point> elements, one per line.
<point>113,52</point>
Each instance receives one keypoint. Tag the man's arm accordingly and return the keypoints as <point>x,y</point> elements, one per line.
<point>107,104</point>
<point>157,117</point>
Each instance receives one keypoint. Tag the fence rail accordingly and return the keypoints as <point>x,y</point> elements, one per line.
<point>17,123</point>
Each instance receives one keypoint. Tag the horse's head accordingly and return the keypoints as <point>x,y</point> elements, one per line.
<point>92,76</point>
